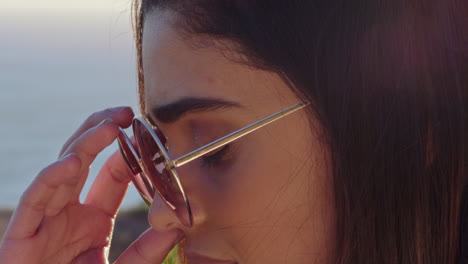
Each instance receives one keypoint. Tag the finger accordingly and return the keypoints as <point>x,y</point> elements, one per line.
<point>89,145</point>
<point>31,209</point>
<point>61,198</point>
<point>151,247</point>
<point>110,186</point>
<point>120,115</point>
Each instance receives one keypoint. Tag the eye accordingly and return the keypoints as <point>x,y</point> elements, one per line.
<point>215,159</point>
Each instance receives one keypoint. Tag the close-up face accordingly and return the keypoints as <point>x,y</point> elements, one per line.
<point>264,198</point>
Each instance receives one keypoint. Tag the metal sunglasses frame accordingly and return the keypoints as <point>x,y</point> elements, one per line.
<point>172,164</point>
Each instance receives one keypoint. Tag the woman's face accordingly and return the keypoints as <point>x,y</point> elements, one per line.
<point>265,198</point>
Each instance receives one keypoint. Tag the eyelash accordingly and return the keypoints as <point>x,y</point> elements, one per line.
<point>215,159</point>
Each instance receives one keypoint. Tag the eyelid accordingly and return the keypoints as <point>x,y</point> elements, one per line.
<point>150,120</point>
<point>215,151</point>
<point>218,158</point>
<point>204,132</point>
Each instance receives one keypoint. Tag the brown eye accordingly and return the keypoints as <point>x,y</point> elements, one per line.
<point>215,159</point>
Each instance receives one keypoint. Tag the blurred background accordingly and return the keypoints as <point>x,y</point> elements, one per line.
<point>60,61</point>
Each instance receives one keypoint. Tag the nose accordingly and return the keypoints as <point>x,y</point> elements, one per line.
<point>162,217</point>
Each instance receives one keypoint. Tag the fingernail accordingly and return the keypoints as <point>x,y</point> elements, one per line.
<point>124,108</point>
<point>66,156</point>
<point>107,120</point>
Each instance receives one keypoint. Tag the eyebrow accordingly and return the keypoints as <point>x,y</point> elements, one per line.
<point>169,113</point>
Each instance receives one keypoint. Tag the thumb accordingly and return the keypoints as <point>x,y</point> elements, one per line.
<point>151,247</point>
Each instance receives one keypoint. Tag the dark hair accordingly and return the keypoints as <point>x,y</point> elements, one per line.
<point>388,81</point>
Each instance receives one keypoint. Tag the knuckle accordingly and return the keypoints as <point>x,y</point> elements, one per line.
<point>108,111</point>
<point>119,174</point>
<point>93,118</point>
<point>98,116</point>
<point>110,130</point>
<point>35,205</point>
<point>52,211</point>
<point>139,250</point>
<point>44,182</point>
<point>90,123</point>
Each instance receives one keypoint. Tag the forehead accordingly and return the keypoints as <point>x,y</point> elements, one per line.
<point>176,66</point>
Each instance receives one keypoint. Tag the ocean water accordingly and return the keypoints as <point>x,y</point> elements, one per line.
<point>56,68</point>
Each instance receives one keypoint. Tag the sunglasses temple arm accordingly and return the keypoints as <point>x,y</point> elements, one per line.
<point>233,136</point>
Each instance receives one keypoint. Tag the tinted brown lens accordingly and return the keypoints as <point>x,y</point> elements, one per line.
<point>127,153</point>
<point>141,182</point>
<point>153,161</point>
<point>144,187</point>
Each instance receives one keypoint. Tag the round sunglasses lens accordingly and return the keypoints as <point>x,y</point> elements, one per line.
<point>144,187</point>
<point>127,154</point>
<point>179,204</point>
<point>141,182</point>
<point>154,163</point>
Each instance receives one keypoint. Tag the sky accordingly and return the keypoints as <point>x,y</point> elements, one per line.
<point>62,4</point>
<point>60,60</point>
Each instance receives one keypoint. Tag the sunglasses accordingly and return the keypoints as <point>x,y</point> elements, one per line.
<point>154,171</point>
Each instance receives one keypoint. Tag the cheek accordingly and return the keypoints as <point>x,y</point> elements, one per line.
<point>246,196</point>
<point>236,192</point>
<point>265,168</point>
<point>270,193</point>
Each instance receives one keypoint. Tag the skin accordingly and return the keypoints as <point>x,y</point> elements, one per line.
<point>51,225</point>
<point>271,200</point>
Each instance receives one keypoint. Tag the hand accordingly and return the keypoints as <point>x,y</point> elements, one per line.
<point>50,225</point>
